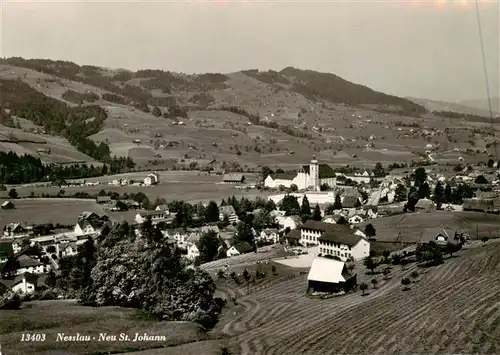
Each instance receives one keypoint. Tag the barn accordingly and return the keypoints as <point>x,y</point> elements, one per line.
<point>329,275</point>
<point>233,178</point>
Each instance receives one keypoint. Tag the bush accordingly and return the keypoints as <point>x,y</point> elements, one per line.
<point>10,300</point>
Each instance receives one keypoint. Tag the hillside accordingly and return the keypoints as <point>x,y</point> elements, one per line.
<point>237,120</point>
<point>433,105</point>
<point>483,104</point>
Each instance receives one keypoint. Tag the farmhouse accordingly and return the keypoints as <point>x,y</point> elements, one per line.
<point>7,205</point>
<point>350,201</point>
<point>15,230</point>
<point>233,178</point>
<point>23,284</point>
<point>103,199</point>
<point>229,212</point>
<point>28,264</point>
<point>86,227</point>
<point>269,235</point>
<point>329,275</point>
<point>356,219</point>
<point>156,216</point>
<point>425,205</point>
<point>291,222</point>
<point>310,176</point>
<point>163,208</point>
<point>238,249</point>
<point>293,237</point>
<point>151,179</point>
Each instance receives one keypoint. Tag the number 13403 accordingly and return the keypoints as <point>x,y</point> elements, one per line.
<point>32,337</point>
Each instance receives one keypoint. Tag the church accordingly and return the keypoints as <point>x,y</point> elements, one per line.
<point>307,177</point>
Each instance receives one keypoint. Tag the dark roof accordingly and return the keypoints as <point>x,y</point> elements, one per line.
<point>12,282</point>
<point>243,247</point>
<point>233,177</point>
<point>315,225</point>
<point>26,261</point>
<point>6,250</point>
<point>324,170</point>
<point>293,234</point>
<point>340,234</point>
<point>350,202</point>
<point>290,175</point>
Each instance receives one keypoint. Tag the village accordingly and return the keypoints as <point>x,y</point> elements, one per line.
<point>318,214</point>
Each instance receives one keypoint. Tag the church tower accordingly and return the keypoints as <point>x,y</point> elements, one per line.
<point>314,174</point>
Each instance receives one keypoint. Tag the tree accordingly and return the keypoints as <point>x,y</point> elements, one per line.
<point>13,193</point>
<point>294,188</point>
<point>273,270</point>
<point>438,195</point>
<point>51,280</point>
<point>379,170</point>
<point>152,277</point>
<point>400,193</point>
<point>405,282</point>
<point>414,275</point>
<point>370,230</point>
<point>386,254</point>
<point>324,187</point>
<point>370,264</point>
<point>244,233</point>
<point>51,249</point>
<point>420,176</point>
<point>305,209</point>
<point>424,191</point>
<point>317,213</point>
<point>212,212</point>
<point>262,220</point>
<point>429,253</point>
<point>290,205</point>
<point>209,246</point>
<point>386,272</point>
<point>374,283</point>
<point>337,205</point>
<point>490,163</point>
<point>156,112</point>
<point>447,197</point>
<point>484,239</point>
<point>363,287</point>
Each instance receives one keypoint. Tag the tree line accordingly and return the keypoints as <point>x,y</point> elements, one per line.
<point>15,169</point>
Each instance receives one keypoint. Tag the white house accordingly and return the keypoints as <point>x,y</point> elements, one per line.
<point>30,265</point>
<point>24,283</point>
<point>179,235</point>
<point>15,230</point>
<point>238,249</point>
<point>269,235</point>
<point>192,251</point>
<point>85,227</point>
<point>310,176</point>
<point>292,222</point>
<point>156,216</point>
<point>151,179</point>
<point>356,219</point>
<point>228,211</point>
<point>343,243</point>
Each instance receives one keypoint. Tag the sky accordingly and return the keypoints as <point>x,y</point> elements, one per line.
<point>427,49</point>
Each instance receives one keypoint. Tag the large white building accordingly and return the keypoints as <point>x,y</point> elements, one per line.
<point>334,239</point>
<point>310,176</point>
